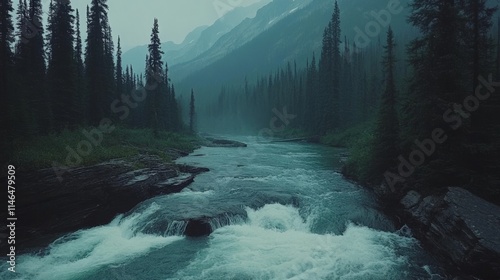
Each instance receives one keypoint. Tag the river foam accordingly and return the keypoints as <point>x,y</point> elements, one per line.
<point>276,243</point>
<point>85,251</point>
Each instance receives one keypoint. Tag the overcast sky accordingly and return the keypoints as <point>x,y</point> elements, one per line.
<point>132,20</point>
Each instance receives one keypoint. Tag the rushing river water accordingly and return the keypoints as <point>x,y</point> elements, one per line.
<point>279,211</point>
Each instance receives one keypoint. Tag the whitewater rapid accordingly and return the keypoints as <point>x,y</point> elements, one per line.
<point>278,211</point>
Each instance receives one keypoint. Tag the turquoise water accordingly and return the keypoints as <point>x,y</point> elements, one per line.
<point>278,210</point>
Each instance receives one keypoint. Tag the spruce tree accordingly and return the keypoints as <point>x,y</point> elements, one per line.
<point>476,34</point>
<point>108,66</point>
<point>439,80</point>
<point>312,95</point>
<point>119,70</point>
<point>192,113</point>
<point>21,25</point>
<point>334,117</point>
<point>436,59</point>
<point>80,73</point>
<point>386,137</point>
<point>21,104</point>
<point>6,64</point>
<point>480,149</point>
<point>154,72</point>
<point>47,34</point>
<point>95,56</point>
<point>176,114</point>
<point>61,71</point>
<point>36,70</point>
<point>329,76</point>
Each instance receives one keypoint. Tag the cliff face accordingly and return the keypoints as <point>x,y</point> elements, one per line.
<point>459,226</point>
<point>91,196</point>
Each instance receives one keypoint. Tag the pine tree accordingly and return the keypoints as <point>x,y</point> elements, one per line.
<point>61,71</point>
<point>497,68</point>
<point>176,114</point>
<point>119,70</point>
<point>169,100</point>
<point>312,95</point>
<point>21,25</point>
<point>346,87</point>
<point>329,76</point>
<point>336,68</point>
<point>481,152</point>
<point>21,104</point>
<point>128,80</point>
<point>47,34</point>
<point>108,66</point>
<point>478,25</point>
<point>95,56</point>
<point>35,54</point>
<point>80,73</point>
<point>326,93</point>
<point>436,59</point>
<point>6,64</point>
<point>78,46</point>
<point>154,72</point>
<point>439,80</point>
<point>192,113</point>
<point>386,137</point>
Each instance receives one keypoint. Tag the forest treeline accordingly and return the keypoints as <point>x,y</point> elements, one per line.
<point>52,81</point>
<point>428,107</point>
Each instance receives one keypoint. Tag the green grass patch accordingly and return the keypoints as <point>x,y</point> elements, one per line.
<point>358,166</point>
<point>41,151</point>
<point>346,138</point>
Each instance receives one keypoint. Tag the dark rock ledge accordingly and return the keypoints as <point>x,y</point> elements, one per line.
<point>90,196</point>
<point>461,227</point>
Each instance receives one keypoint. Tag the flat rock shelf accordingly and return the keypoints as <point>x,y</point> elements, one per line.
<point>91,196</point>
<point>460,226</point>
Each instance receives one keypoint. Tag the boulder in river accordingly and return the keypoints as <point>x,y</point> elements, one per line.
<point>198,228</point>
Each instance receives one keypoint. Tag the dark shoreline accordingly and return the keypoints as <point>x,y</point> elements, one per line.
<point>442,221</point>
<point>90,196</point>
<point>48,208</point>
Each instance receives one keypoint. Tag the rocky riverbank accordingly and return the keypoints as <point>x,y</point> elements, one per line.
<point>91,196</point>
<point>48,207</point>
<point>459,227</point>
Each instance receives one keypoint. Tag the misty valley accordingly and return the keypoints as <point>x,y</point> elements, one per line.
<point>251,139</point>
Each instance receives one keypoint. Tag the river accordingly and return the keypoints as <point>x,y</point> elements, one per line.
<point>278,210</point>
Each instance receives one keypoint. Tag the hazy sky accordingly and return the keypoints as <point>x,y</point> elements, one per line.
<point>133,19</point>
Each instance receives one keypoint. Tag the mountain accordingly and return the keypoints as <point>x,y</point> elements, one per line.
<point>136,56</point>
<point>246,31</point>
<point>197,41</point>
<point>294,36</point>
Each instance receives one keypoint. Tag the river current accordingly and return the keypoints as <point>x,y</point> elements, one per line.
<point>278,211</point>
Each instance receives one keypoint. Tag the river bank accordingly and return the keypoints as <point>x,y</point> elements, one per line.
<point>91,196</point>
<point>457,226</point>
<point>53,203</point>
<point>460,228</point>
